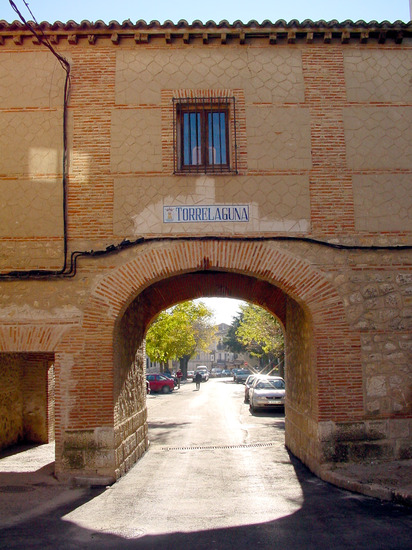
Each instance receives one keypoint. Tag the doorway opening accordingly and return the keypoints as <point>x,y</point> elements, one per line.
<point>27,399</point>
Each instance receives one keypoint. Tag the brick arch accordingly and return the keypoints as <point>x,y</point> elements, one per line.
<point>203,284</point>
<point>44,337</point>
<point>262,260</point>
<point>110,367</point>
<point>161,270</point>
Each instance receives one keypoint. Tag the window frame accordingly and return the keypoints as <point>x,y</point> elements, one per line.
<point>204,135</point>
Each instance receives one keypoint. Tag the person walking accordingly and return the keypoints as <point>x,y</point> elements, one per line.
<point>198,379</point>
<point>179,375</point>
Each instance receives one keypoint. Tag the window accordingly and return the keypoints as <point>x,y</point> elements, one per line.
<point>204,134</point>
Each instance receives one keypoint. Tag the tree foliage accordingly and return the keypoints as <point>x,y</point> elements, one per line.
<point>257,332</point>
<point>231,341</point>
<point>179,331</point>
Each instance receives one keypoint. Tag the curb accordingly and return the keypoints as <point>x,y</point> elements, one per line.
<point>397,496</point>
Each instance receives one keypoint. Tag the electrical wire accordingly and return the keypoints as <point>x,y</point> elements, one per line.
<point>112,249</point>
<point>43,39</point>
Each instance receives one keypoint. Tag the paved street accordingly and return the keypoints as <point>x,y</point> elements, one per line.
<point>215,477</point>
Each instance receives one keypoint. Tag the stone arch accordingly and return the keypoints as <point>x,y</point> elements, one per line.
<point>115,427</point>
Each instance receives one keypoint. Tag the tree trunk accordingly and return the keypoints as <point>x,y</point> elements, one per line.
<point>183,361</point>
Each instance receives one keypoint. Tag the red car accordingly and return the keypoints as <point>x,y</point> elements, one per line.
<point>161,383</point>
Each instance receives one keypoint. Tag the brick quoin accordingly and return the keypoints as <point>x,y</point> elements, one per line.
<point>330,182</point>
<point>90,199</point>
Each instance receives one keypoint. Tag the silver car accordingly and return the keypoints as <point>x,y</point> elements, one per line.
<point>248,384</point>
<point>268,392</point>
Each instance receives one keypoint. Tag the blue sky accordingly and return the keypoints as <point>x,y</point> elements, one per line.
<point>216,10</point>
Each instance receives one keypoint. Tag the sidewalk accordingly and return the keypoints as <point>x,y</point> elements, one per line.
<point>383,480</point>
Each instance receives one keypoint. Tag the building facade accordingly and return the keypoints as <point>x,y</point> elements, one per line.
<point>218,356</point>
<point>267,162</point>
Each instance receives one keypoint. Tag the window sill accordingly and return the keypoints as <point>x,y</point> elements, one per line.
<point>204,171</point>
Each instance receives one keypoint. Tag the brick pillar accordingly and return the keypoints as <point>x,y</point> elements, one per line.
<point>332,208</point>
<point>90,199</point>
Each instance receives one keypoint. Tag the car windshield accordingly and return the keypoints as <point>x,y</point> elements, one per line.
<point>271,385</point>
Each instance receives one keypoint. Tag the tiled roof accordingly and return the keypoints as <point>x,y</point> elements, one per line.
<point>183,24</point>
<point>280,30</point>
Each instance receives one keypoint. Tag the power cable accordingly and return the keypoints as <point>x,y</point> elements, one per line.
<point>43,39</point>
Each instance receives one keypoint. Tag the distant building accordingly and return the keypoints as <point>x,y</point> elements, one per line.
<point>218,357</point>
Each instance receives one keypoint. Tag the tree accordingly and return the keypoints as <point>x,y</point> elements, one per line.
<point>260,333</point>
<point>178,332</point>
<point>231,341</point>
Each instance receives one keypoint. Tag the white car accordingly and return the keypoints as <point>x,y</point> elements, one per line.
<point>268,392</point>
<point>203,371</point>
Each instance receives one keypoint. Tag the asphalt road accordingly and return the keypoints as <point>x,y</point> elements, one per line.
<point>215,477</point>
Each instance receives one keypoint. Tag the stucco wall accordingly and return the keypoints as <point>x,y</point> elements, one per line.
<point>324,133</point>
<point>276,203</point>
<point>31,123</point>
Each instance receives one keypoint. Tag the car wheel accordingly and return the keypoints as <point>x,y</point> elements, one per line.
<point>165,389</point>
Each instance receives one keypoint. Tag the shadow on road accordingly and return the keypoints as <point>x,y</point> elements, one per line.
<point>160,431</point>
<point>269,413</point>
<point>327,518</point>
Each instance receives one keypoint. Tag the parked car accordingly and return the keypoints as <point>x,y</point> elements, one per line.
<point>216,373</point>
<point>160,383</point>
<point>234,373</point>
<point>248,384</point>
<point>203,371</point>
<point>226,372</point>
<point>171,376</point>
<point>190,374</point>
<point>241,376</point>
<point>267,392</point>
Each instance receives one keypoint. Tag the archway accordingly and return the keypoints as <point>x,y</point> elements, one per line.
<point>131,329</point>
<point>27,382</point>
<point>322,351</point>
